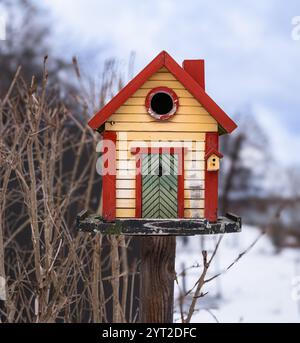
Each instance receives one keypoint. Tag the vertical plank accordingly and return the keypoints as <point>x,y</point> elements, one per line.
<point>158,252</point>
<point>211,181</point>
<point>157,277</point>
<point>109,177</point>
<point>180,196</point>
<point>138,188</point>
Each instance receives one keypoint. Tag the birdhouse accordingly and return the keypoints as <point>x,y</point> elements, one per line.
<point>213,160</point>
<point>160,152</point>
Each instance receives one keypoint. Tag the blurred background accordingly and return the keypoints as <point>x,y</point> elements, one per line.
<point>251,51</point>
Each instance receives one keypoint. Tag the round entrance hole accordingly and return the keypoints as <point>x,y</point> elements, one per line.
<point>161,103</point>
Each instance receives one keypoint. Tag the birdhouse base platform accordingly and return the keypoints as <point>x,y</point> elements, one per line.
<point>149,227</point>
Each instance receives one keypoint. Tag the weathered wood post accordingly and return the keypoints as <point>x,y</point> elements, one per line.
<point>158,244</point>
<point>157,274</point>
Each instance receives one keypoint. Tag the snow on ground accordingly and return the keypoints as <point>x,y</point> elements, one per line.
<point>261,287</point>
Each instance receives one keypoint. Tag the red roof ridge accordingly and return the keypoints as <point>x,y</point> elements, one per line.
<point>213,151</point>
<point>163,59</point>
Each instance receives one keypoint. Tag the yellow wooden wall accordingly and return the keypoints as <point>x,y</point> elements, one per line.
<point>136,128</point>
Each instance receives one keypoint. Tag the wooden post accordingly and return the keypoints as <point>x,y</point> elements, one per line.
<point>157,275</point>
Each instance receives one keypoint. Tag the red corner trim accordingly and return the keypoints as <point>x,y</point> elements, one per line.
<point>164,60</point>
<point>138,180</point>
<point>109,178</point>
<point>168,91</point>
<point>138,187</point>
<point>211,180</point>
<point>180,193</point>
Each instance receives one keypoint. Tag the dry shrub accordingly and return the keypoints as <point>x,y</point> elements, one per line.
<point>48,271</point>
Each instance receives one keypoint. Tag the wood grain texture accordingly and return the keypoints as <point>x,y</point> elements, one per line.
<point>191,156</point>
<point>125,212</point>
<point>194,213</point>
<point>188,193</point>
<point>188,203</point>
<point>125,174</point>
<point>191,116</point>
<point>142,92</point>
<point>188,212</point>
<point>194,174</point>
<point>164,70</point>
<point>185,81</point>
<point>193,204</point>
<point>126,164</point>
<point>157,273</point>
<point>191,145</point>
<point>126,184</point>
<point>145,118</point>
<point>193,194</point>
<point>160,136</point>
<point>195,165</point>
<point>141,109</point>
<point>171,84</point>
<point>184,101</point>
<point>161,126</point>
<point>188,156</point>
<point>162,77</point>
<point>126,193</point>
<point>193,185</point>
<point>125,203</point>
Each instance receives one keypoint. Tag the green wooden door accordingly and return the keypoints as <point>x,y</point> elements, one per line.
<point>159,185</point>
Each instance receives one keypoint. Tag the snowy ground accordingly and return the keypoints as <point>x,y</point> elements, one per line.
<point>262,287</point>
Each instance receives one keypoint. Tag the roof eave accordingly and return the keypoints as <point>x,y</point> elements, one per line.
<point>163,59</point>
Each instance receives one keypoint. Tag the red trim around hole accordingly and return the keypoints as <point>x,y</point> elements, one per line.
<point>165,90</point>
<point>163,60</point>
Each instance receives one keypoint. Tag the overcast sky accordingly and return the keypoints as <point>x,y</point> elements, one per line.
<point>251,59</point>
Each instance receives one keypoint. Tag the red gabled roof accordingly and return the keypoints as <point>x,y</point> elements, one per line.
<point>163,60</point>
<point>213,151</point>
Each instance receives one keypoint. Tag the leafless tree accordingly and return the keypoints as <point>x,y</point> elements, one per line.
<point>48,271</point>
<point>245,156</point>
<point>28,40</point>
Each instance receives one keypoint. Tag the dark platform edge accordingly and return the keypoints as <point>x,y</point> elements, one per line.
<point>94,223</point>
